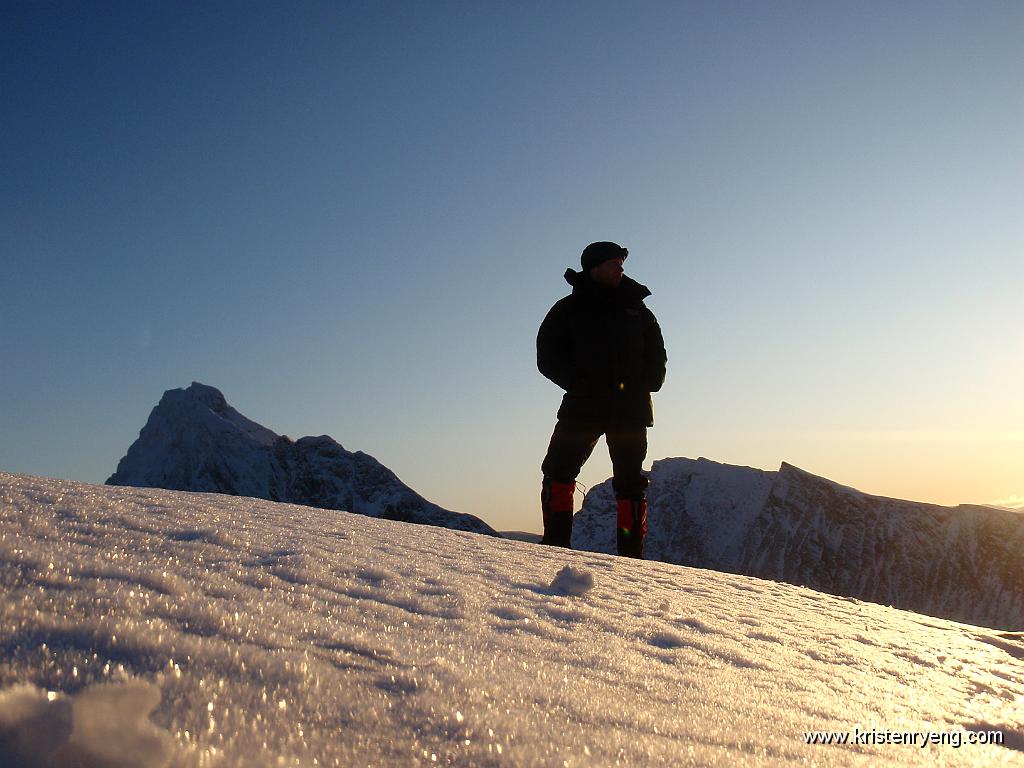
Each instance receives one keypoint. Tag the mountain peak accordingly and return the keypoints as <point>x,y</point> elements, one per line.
<point>209,396</point>
<point>960,563</point>
<point>203,409</point>
<point>195,441</point>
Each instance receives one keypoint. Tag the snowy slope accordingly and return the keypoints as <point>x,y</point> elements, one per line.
<point>962,563</point>
<point>195,441</point>
<point>148,628</point>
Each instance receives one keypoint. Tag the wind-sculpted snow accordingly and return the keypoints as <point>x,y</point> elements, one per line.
<point>962,563</point>
<point>195,441</point>
<point>150,628</point>
<point>103,725</point>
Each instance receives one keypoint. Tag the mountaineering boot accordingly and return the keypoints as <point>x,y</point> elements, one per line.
<point>631,526</point>
<point>556,506</point>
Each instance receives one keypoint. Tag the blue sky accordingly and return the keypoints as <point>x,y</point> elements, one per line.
<point>351,218</point>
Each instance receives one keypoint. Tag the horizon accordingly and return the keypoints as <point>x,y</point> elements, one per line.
<point>352,219</point>
<point>295,439</point>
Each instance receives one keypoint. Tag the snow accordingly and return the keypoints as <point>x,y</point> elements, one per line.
<point>573,581</point>
<point>105,724</point>
<point>151,628</point>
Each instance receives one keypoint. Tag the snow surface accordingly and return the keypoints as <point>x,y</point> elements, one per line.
<point>150,628</point>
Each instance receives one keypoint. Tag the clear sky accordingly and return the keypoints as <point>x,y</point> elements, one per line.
<point>351,218</point>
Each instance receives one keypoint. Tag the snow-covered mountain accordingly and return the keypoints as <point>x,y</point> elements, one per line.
<point>963,563</point>
<point>146,628</point>
<point>195,441</point>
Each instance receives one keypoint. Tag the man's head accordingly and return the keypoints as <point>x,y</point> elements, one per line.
<point>603,262</point>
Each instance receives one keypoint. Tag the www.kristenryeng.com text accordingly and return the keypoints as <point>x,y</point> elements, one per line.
<point>911,738</point>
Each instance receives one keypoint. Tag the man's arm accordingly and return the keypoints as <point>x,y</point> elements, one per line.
<point>554,347</point>
<point>655,356</point>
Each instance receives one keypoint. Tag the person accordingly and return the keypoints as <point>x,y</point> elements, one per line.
<point>604,347</point>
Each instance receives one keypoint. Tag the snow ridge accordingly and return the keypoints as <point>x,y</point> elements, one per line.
<point>961,563</point>
<point>195,441</point>
<point>159,629</point>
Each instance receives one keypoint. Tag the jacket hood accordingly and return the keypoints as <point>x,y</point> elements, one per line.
<point>629,289</point>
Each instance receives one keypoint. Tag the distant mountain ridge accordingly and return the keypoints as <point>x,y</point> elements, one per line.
<point>962,563</point>
<point>195,441</point>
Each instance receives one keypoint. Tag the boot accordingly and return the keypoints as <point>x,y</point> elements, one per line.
<point>631,526</point>
<point>556,501</point>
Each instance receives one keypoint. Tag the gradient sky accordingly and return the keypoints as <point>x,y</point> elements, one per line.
<point>352,217</point>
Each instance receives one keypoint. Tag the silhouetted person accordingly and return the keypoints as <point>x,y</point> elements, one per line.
<point>604,347</point>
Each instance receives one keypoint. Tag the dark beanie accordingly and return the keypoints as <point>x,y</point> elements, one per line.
<point>597,253</point>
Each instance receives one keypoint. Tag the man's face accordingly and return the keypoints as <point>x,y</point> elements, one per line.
<point>608,272</point>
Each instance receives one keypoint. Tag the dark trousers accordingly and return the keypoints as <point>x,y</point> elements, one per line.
<point>573,441</point>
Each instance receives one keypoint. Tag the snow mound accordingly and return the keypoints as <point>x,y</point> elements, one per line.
<point>573,581</point>
<point>103,726</point>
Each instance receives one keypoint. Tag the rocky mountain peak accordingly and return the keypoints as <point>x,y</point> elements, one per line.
<point>195,441</point>
<point>961,563</point>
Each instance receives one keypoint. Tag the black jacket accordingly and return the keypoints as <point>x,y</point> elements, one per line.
<point>604,347</point>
